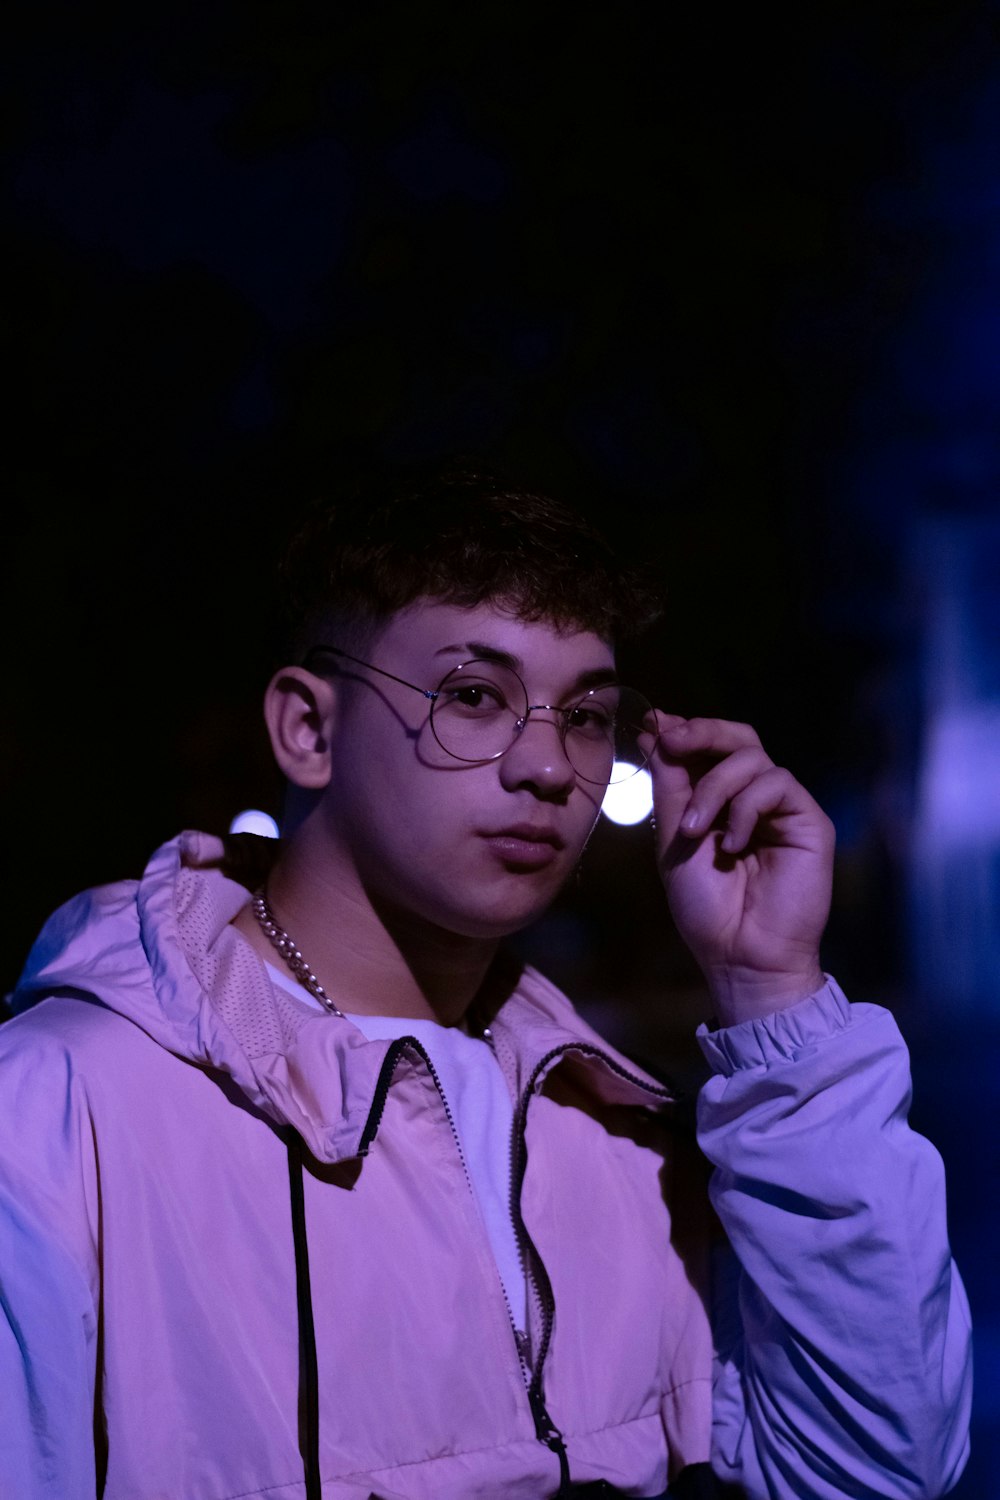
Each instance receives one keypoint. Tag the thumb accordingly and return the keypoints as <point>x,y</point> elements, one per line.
<point>672,784</point>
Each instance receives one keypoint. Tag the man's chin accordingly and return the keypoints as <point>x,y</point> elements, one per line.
<point>507,914</point>
<point>476,909</point>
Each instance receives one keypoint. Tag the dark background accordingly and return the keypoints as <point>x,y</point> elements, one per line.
<point>731,283</point>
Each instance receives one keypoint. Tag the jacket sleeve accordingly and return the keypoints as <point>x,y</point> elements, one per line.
<point>48,1279</point>
<point>842,1328</point>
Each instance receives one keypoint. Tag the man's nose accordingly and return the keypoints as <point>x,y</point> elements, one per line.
<point>538,756</point>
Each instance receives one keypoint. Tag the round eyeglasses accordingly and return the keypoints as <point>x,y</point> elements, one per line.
<point>479,710</point>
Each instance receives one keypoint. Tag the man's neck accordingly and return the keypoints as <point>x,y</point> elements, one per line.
<point>368,963</point>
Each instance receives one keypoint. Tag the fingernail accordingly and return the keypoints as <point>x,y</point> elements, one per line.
<point>690,820</point>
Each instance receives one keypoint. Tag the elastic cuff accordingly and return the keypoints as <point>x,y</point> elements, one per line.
<point>783,1036</point>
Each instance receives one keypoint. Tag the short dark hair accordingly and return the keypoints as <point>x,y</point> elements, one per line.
<point>462,534</point>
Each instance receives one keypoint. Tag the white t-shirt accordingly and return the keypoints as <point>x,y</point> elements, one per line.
<point>483,1114</point>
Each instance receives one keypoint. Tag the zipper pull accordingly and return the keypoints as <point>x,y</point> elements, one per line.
<point>549,1434</point>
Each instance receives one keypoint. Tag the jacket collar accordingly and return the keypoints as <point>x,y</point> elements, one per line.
<point>312,1071</point>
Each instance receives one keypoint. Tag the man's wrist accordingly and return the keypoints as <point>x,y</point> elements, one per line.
<point>746,995</point>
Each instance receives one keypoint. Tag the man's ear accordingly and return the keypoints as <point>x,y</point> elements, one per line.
<point>299,710</point>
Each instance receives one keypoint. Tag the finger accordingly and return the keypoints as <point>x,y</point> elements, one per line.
<point>774,794</point>
<point>682,737</point>
<point>716,787</point>
<point>673,783</point>
<point>656,721</point>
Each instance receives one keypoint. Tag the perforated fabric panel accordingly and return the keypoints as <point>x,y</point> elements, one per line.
<point>289,1016</point>
<point>262,1019</point>
<point>252,1019</point>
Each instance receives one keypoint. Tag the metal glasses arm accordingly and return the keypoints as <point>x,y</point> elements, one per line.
<point>433,695</point>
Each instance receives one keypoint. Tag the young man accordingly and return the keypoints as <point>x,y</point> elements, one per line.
<point>312,1193</point>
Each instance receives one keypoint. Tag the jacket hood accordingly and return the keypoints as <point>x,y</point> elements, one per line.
<point>162,953</point>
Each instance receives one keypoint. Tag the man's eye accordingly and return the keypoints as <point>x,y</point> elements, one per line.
<point>477,697</point>
<point>590,720</point>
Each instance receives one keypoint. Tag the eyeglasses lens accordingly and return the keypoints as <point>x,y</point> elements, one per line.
<point>602,735</point>
<point>477,711</point>
<point>480,709</point>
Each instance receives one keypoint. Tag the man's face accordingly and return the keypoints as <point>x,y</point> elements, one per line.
<point>474,849</point>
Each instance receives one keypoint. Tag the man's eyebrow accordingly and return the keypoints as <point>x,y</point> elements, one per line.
<point>482,651</point>
<point>599,677</point>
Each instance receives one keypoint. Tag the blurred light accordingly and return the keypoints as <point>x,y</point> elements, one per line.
<point>252,821</point>
<point>628,801</point>
<point>960,782</point>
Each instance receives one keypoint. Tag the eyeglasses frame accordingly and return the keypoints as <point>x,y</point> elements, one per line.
<point>433,694</point>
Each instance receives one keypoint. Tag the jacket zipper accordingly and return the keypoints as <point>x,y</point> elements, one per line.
<point>371,1129</point>
<point>544,1426</point>
<point>535,1273</point>
<point>534,1268</point>
<point>381,1093</point>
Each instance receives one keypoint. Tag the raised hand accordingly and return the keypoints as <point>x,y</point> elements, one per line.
<point>746,858</point>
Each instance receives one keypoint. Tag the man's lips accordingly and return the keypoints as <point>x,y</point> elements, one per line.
<point>530,833</point>
<point>529,845</point>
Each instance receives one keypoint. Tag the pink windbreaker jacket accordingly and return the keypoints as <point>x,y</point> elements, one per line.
<point>200,1180</point>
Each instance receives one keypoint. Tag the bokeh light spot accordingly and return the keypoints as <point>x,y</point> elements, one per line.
<point>629,801</point>
<point>253,821</point>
